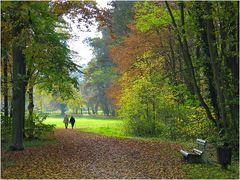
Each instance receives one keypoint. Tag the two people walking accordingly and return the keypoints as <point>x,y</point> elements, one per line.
<point>66,121</point>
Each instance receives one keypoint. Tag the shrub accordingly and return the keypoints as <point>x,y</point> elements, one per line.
<point>164,110</point>
<point>137,106</point>
<point>6,127</point>
<point>37,129</point>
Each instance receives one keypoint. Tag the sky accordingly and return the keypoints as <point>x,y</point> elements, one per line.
<point>84,53</point>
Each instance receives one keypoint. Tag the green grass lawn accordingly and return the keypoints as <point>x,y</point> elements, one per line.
<point>97,125</point>
<point>86,122</point>
<point>110,130</point>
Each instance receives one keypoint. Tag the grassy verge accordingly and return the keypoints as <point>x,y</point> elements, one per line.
<point>31,143</point>
<point>211,171</point>
<point>40,142</point>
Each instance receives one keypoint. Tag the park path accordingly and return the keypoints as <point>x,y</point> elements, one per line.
<point>85,155</point>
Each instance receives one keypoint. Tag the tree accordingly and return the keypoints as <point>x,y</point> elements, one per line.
<point>194,44</point>
<point>29,22</point>
<point>99,73</point>
<point>76,102</point>
<point>206,37</point>
<point>121,14</point>
<point>19,69</point>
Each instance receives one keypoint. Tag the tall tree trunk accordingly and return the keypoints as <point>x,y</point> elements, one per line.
<point>230,54</point>
<point>232,58</point>
<point>179,60</point>
<point>88,110</point>
<point>19,71</point>
<point>234,66</point>
<point>187,58</point>
<point>105,109</point>
<point>30,122</point>
<point>173,60</point>
<point>5,86</point>
<point>93,111</point>
<point>207,66</point>
<point>11,108</point>
<point>215,64</point>
<point>96,107</point>
<point>113,111</point>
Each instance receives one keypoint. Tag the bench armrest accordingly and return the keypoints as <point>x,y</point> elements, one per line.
<point>184,153</point>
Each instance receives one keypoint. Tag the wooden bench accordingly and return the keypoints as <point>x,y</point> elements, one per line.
<point>198,154</point>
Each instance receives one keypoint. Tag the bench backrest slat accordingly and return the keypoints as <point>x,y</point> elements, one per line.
<point>201,142</point>
<point>197,151</point>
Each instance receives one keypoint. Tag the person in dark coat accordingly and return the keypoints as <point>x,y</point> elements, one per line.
<point>72,121</point>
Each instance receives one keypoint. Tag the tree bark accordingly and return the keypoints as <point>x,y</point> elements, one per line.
<point>207,66</point>
<point>106,109</point>
<point>5,86</point>
<point>93,109</point>
<point>19,70</point>
<point>230,52</point>
<point>30,122</point>
<point>187,58</point>
<point>113,112</point>
<point>232,59</point>
<point>88,109</point>
<point>215,64</point>
<point>96,107</point>
<point>173,61</point>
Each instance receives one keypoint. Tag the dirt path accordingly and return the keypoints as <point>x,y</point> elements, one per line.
<point>84,155</point>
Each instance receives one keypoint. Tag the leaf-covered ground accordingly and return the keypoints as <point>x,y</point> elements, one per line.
<point>85,155</point>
